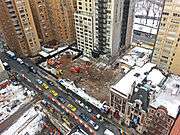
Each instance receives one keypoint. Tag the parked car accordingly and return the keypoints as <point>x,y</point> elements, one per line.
<point>20,61</point>
<point>65,119</point>
<point>71,107</point>
<point>61,99</point>
<point>84,117</point>
<point>6,66</point>
<point>95,126</point>
<point>81,104</point>
<point>39,81</point>
<point>11,55</point>
<point>45,86</point>
<point>54,93</point>
<point>88,109</point>
<point>31,69</point>
<point>98,116</point>
<point>50,83</point>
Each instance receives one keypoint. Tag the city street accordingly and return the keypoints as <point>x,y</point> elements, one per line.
<point>29,79</point>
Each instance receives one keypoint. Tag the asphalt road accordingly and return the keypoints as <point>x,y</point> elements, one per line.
<point>23,70</point>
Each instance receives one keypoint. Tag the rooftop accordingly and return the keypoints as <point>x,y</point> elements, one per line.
<point>137,56</point>
<point>170,96</point>
<point>137,74</point>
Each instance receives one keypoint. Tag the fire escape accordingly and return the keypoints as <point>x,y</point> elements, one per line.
<point>100,22</point>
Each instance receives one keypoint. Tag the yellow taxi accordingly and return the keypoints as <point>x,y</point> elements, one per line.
<point>65,119</point>
<point>72,108</point>
<point>45,86</point>
<point>53,92</point>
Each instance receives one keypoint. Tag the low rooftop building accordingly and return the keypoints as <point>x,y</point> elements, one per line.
<point>137,56</point>
<point>130,97</point>
<point>164,108</point>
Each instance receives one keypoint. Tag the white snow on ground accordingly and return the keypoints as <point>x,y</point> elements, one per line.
<point>170,96</point>
<point>137,56</point>
<point>70,85</point>
<point>30,122</point>
<point>124,85</point>
<point>11,96</point>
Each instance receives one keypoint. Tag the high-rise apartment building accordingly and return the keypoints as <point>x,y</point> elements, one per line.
<point>42,21</point>
<point>167,47</point>
<point>84,25</point>
<point>54,19</point>
<point>104,26</point>
<point>18,27</point>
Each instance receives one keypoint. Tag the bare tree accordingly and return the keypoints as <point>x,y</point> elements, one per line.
<point>147,6</point>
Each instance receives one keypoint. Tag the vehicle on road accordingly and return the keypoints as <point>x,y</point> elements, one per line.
<point>6,66</point>
<point>45,86</point>
<point>61,99</point>
<point>53,92</point>
<point>61,84</point>
<point>88,109</point>
<point>11,55</point>
<point>20,61</point>
<point>50,83</point>
<point>81,104</point>
<point>39,81</point>
<point>98,116</point>
<point>31,69</point>
<point>95,126</point>
<point>71,107</point>
<point>84,117</point>
<point>65,119</point>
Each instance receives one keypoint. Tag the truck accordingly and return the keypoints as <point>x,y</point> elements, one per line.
<point>11,55</point>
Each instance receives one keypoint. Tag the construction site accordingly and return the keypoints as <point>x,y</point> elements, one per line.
<point>95,76</point>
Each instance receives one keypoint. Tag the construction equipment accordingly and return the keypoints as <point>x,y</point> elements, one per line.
<point>75,69</point>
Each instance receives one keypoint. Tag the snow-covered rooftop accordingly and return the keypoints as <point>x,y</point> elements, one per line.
<point>124,85</point>
<point>153,77</point>
<point>170,96</point>
<point>137,56</point>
